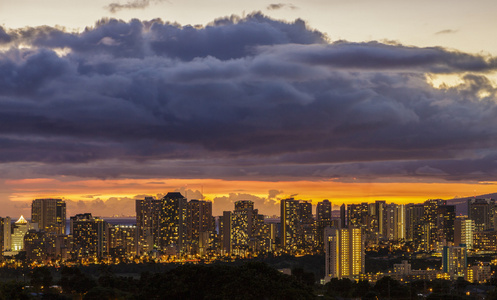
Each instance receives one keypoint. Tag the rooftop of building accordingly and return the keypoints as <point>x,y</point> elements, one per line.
<point>21,220</point>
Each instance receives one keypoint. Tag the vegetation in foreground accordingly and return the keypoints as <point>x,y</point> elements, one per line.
<point>235,280</point>
<point>252,280</point>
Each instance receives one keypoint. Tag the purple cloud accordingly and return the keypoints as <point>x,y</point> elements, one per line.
<point>246,97</point>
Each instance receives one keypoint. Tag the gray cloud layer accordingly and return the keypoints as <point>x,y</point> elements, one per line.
<point>253,98</point>
<point>135,4</point>
<point>276,6</point>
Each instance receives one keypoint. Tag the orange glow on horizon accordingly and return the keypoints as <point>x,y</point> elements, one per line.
<point>337,192</point>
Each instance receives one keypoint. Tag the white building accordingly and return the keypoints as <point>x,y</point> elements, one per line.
<point>463,232</point>
<point>20,229</point>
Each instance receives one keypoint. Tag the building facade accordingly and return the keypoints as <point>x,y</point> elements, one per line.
<point>173,226</point>
<point>147,223</point>
<point>323,210</point>
<point>481,212</point>
<point>198,222</point>
<point>90,237</point>
<point>289,224</point>
<point>344,252</point>
<point>50,214</point>
<point>463,232</point>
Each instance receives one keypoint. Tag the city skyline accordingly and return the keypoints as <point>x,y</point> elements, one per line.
<point>172,229</point>
<point>175,226</point>
<point>260,101</point>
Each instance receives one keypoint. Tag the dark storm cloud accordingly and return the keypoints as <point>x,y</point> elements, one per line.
<point>225,38</point>
<point>36,69</point>
<point>4,37</point>
<point>374,55</point>
<point>247,98</point>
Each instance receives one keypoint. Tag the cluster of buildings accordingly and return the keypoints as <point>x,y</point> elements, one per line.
<point>174,228</point>
<point>170,226</point>
<point>429,227</point>
<point>453,268</point>
<point>180,227</point>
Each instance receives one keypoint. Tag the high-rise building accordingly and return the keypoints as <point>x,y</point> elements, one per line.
<point>19,230</point>
<point>244,204</point>
<point>390,222</point>
<point>172,218</point>
<point>463,232</point>
<point>380,218</point>
<point>357,214</point>
<point>5,224</point>
<point>323,210</point>
<point>225,232</point>
<point>343,215</point>
<point>50,214</point>
<point>306,235</point>
<point>241,229</point>
<point>258,236</point>
<point>485,240</point>
<point>401,222</point>
<point>257,220</point>
<point>305,212</point>
<point>2,236</point>
<point>122,240</point>
<point>147,223</point>
<point>198,220</point>
<point>63,246</point>
<point>430,224</point>
<point>481,211</point>
<point>246,228</point>
<point>289,224</point>
<point>446,218</point>
<point>44,246</point>
<point>320,228</point>
<point>332,252</point>
<point>344,252</point>
<point>414,224</point>
<point>455,261</point>
<point>374,220</point>
<point>268,236</point>
<point>394,222</point>
<point>37,245</point>
<point>89,236</point>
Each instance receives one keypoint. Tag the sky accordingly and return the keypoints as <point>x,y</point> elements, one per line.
<point>105,102</point>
